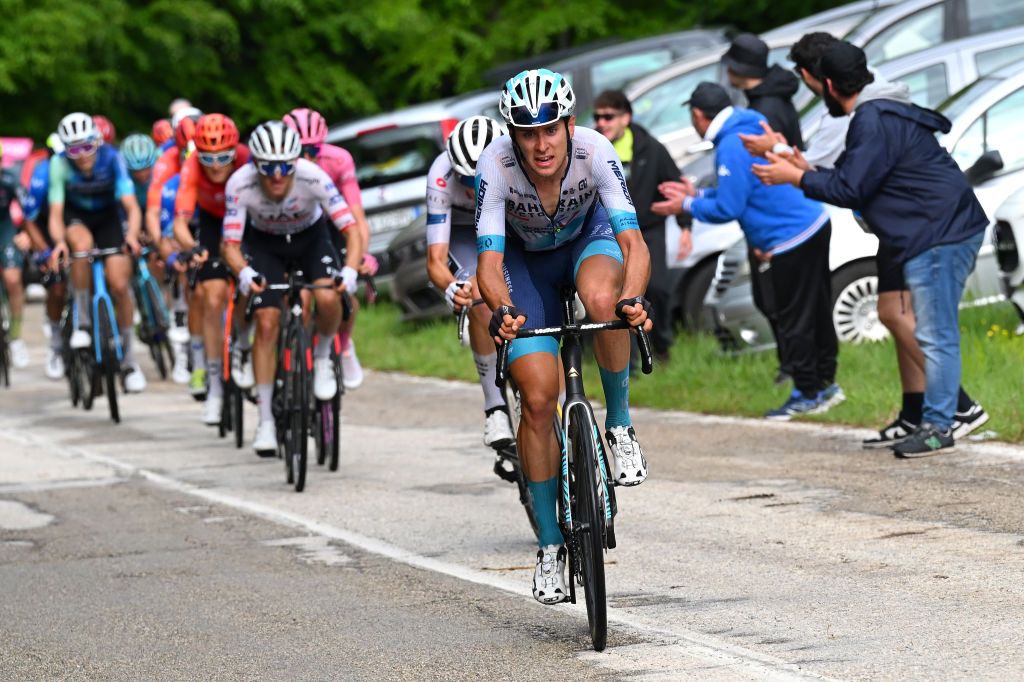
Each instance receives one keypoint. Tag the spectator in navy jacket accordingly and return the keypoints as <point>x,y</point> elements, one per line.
<point>915,198</point>
<point>789,238</point>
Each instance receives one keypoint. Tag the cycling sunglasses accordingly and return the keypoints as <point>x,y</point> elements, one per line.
<point>216,158</point>
<point>311,150</point>
<point>83,149</point>
<point>275,168</point>
<point>522,116</point>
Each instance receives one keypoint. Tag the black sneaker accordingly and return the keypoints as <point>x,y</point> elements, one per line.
<point>968,421</point>
<point>894,433</point>
<point>925,441</point>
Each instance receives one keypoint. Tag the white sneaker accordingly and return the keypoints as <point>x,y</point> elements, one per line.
<point>134,379</point>
<point>549,576</point>
<point>628,464</point>
<point>241,368</point>
<point>325,384</point>
<point>80,339</point>
<point>54,365</point>
<point>178,335</point>
<point>211,410</point>
<point>180,373</point>
<point>19,354</point>
<point>351,370</point>
<point>498,430</point>
<point>265,440</point>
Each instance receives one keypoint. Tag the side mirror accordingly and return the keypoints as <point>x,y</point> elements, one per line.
<point>987,165</point>
<point>700,148</point>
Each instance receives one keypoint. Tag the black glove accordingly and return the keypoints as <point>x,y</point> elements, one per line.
<point>498,318</point>
<point>632,302</point>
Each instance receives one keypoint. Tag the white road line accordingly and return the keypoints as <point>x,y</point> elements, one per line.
<point>676,646</point>
<point>43,486</point>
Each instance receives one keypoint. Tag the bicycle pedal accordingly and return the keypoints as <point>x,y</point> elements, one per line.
<point>503,473</point>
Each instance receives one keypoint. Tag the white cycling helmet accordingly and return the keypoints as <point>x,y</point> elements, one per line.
<point>185,112</point>
<point>274,141</point>
<point>468,140</point>
<point>535,98</point>
<point>77,128</point>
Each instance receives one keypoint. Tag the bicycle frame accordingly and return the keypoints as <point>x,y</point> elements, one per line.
<point>143,275</point>
<point>101,297</point>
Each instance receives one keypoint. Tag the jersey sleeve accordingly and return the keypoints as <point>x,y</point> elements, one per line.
<point>234,208</point>
<point>36,198</point>
<point>347,181</point>
<point>123,185</point>
<point>167,197</point>
<point>188,187</point>
<point>491,189</point>
<point>58,177</point>
<point>331,200</point>
<point>611,187</point>
<point>439,201</point>
<point>164,169</point>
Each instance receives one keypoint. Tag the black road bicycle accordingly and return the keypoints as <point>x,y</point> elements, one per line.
<point>587,508</point>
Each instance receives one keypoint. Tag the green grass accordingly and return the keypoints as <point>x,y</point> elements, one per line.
<point>700,379</point>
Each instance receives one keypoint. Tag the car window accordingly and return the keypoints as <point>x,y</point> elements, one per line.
<point>958,103</point>
<point>991,61</point>
<point>780,56</point>
<point>928,86</point>
<point>661,109</point>
<point>993,15</point>
<point>394,154</point>
<point>613,74</point>
<point>910,34</point>
<point>997,129</point>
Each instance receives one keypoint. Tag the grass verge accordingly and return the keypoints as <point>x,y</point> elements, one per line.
<point>700,379</point>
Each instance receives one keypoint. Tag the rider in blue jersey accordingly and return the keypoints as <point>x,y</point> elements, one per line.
<point>552,210</point>
<point>88,185</point>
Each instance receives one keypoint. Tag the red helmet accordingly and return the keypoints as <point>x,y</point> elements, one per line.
<point>309,124</point>
<point>184,133</point>
<point>162,131</point>
<point>215,132</point>
<point>106,128</point>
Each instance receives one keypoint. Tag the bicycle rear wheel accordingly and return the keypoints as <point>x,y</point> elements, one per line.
<point>109,366</point>
<point>589,521</point>
<point>237,401</point>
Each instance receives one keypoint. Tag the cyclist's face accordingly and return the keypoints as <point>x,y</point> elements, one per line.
<point>85,163</point>
<point>545,148</point>
<point>276,187</point>
<point>142,176</point>
<point>218,175</point>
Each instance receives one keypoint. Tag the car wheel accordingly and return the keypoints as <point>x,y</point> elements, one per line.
<point>691,297</point>
<point>855,304</point>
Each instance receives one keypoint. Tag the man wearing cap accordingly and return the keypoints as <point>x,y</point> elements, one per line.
<point>789,238</point>
<point>915,198</point>
<point>769,90</point>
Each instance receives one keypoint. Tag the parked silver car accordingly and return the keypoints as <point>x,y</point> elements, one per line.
<point>985,141</point>
<point>1009,237</point>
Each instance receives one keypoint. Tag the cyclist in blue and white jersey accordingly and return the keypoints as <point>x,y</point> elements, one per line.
<point>88,185</point>
<point>553,209</point>
<point>451,255</point>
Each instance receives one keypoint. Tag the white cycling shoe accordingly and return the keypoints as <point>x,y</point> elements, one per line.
<point>628,464</point>
<point>265,441</point>
<point>352,371</point>
<point>241,368</point>
<point>19,354</point>
<point>498,430</point>
<point>549,576</point>
<point>80,339</point>
<point>180,373</point>
<point>211,410</point>
<point>134,379</point>
<point>325,384</point>
<point>54,365</point>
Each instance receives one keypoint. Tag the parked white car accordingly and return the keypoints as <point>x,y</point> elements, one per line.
<point>1009,235</point>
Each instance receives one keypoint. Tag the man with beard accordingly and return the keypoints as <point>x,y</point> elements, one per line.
<point>926,216</point>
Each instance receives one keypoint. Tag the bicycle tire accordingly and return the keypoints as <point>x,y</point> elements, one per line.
<point>319,428</point>
<point>589,523</point>
<point>237,419</point>
<point>109,366</point>
<point>298,408</point>
<point>335,449</point>
<point>86,378</point>
<point>5,346</point>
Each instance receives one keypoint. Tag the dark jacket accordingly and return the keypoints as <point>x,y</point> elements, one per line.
<point>908,187</point>
<point>651,165</point>
<point>774,98</point>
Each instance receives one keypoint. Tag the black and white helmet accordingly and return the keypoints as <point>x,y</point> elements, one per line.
<point>468,140</point>
<point>77,128</point>
<point>536,97</point>
<point>274,141</point>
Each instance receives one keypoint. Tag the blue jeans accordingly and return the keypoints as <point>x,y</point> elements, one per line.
<point>936,280</point>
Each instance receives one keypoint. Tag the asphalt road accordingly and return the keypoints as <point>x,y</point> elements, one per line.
<point>153,550</point>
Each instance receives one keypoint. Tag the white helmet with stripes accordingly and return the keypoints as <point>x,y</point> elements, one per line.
<point>535,98</point>
<point>274,141</point>
<point>77,128</point>
<point>469,139</point>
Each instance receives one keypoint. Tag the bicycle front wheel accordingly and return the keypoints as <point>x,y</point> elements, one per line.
<point>298,397</point>
<point>109,366</point>
<point>589,522</point>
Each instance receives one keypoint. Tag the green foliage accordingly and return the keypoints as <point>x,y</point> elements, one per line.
<point>255,59</point>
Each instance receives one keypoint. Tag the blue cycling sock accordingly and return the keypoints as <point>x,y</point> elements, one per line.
<point>545,510</point>
<point>616,397</point>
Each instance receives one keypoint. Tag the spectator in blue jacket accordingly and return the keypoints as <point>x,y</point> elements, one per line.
<point>789,238</point>
<point>915,198</point>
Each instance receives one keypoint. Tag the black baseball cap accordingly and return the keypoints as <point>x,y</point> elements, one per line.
<point>710,98</point>
<point>747,56</point>
<point>845,63</point>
